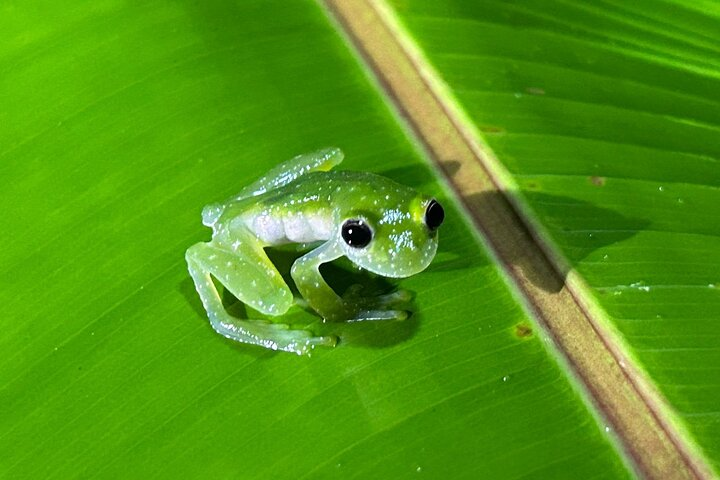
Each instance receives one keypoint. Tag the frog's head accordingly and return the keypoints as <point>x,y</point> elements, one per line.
<point>396,241</point>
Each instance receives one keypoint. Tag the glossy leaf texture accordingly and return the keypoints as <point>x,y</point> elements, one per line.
<point>119,122</point>
<point>606,116</point>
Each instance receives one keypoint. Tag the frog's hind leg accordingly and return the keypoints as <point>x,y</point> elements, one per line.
<point>288,171</point>
<point>248,274</point>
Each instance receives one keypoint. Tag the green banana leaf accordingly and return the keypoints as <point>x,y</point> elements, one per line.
<point>120,120</point>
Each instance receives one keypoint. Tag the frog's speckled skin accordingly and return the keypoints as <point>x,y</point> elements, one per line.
<point>300,201</point>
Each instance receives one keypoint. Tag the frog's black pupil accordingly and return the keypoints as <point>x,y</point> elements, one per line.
<point>434,215</point>
<point>356,233</point>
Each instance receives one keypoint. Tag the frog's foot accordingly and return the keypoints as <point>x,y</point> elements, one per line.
<point>379,307</point>
<point>275,336</point>
<point>353,296</point>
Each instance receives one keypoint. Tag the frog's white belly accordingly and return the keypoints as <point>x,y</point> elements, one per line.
<point>290,228</point>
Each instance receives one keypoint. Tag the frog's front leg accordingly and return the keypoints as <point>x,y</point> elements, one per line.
<point>248,274</point>
<point>323,299</point>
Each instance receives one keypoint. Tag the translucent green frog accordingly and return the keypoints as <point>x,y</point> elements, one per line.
<point>380,225</point>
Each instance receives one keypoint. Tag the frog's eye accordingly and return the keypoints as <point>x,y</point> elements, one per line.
<point>434,215</point>
<point>356,233</point>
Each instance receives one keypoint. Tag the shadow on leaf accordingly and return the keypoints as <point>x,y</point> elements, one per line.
<point>586,216</point>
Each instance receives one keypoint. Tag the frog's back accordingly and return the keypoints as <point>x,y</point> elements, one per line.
<point>305,210</point>
<point>332,189</point>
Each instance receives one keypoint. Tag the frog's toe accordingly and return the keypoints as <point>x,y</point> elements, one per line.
<point>307,346</point>
<point>303,342</point>
<point>380,315</point>
<point>395,298</point>
<point>379,302</point>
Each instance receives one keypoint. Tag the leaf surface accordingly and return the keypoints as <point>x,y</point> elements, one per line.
<point>120,120</point>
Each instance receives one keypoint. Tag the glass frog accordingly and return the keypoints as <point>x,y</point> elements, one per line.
<point>379,225</point>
